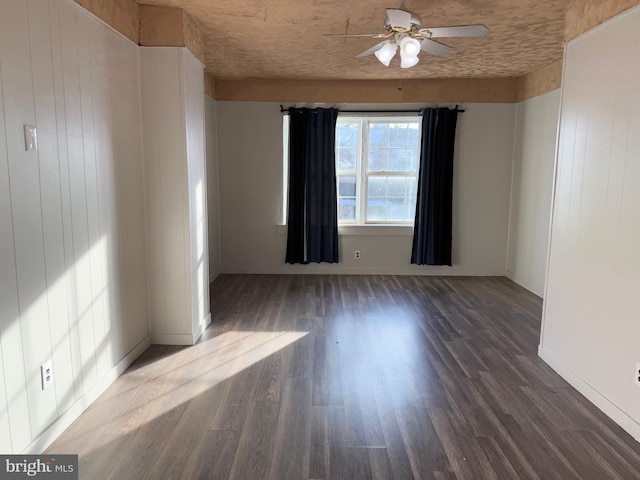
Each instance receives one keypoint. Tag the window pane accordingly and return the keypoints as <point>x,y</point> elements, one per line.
<point>378,134</point>
<point>412,134</point>
<point>347,209</point>
<point>347,186</point>
<point>378,159</point>
<point>347,158</point>
<point>377,187</point>
<point>397,210</point>
<point>412,160</point>
<point>397,160</point>
<point>376,208</point>
<point>412,187</point>
<point>398,135</point>
<point>411,209</point>
<point>397,186</point>
<point>347,134</point>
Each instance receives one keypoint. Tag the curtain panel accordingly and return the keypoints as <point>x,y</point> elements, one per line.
<point>312,220</point>
<point>434,201</point>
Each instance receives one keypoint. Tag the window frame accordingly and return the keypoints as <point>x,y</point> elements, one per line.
<point>362,164</point>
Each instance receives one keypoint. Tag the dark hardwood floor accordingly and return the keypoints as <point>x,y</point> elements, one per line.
<point>352,377</point>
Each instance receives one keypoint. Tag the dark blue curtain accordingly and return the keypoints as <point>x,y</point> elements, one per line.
<point>312,220</point>
<point>432,227</point>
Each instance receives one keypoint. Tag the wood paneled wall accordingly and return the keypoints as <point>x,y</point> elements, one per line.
<point>176,192</point>
<point>72,257</point>
<point>591,332</point>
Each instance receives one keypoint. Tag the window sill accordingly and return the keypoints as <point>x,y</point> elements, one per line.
<point>366,230</point>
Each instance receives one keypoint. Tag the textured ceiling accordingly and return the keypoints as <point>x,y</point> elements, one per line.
<point>283,38</point>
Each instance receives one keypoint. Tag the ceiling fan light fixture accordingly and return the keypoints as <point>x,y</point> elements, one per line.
<point>409,47</point>
<point>408,62</point>
<point>386,53</point>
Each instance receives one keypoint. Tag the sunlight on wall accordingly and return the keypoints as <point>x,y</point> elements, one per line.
<point>79,324</point>
<point>200,260</point>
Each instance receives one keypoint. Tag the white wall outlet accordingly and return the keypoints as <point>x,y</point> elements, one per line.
<point>636,375</point>
<point>30,138</point>
<point>46,373</point>
<point>357,254</point>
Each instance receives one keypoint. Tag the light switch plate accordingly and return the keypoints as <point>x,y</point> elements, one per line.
<point>30,138</point>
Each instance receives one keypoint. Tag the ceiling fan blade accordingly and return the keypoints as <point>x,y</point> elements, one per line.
<point>373,49</point>
<point>370,35</point>
<point>435,48</point>
<point>458,31</point>
<point>398,18</point>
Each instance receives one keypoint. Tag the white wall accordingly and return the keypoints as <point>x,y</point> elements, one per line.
<point>72,263</point>
<point>213,188</point>
<point>531,189</point>
<point>176,192</point>
<point>250,165</point>
<point>591,322</point>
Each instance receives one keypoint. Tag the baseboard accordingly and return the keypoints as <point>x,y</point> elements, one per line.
<point>171,339</point>
<point>200,330</point>
<point>337,269</point>
<point>536,289</point>
<point>631,426</point>
<point>67,418</point>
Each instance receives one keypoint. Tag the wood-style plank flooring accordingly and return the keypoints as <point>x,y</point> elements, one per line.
<point>352,377</point>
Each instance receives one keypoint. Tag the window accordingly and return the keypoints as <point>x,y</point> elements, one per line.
<point>377,169</point>
<point>377,160</point>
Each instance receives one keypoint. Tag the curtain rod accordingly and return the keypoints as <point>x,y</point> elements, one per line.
<point>286,110</point>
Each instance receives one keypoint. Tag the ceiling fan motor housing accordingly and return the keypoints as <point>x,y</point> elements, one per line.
<point>389,23</point>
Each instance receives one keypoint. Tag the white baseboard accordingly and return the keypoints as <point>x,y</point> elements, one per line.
<point>631,426</point>
<point>67,418</point>
<point>181,338</point>
<point>536,289</point>
<point>337,269</point>
<point>171,339</point>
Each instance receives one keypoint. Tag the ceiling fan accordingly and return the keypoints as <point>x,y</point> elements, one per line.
<point>403,32</point>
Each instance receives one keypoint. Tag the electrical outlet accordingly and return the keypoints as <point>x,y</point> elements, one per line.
<point>357,254</point>
<point>636,375</point>
<point>46,374</point>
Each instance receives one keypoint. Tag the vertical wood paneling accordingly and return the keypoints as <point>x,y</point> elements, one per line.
<point>153,190</point>
<point>62,256</point>
<point>197,189</point>
<point>127,132</point>
<point>166,181</point>
<point>173,108</point>
<point>90,171</point>
<point>59,336</point>
<point>10,328</point>
<point>531,189</point>
<point>5,432</point>
<point>592,309</point>
<point>45,109</point>
<point>79,222</point>
<point>24,178</point>
<point>106,188</point>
